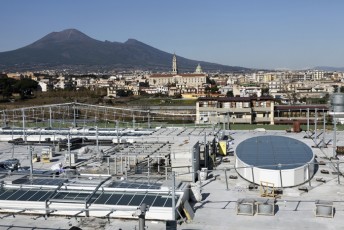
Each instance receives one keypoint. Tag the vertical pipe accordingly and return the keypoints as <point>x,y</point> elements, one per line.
<point>46,209</point>
<point>126,172</point>
<point>74,116</point>
<point>5,119</point>
<point>97,139</point>
<point>24,135</point>
<point>117,132</point>
<point>308,121</point>
<point>133,121</point>
<point>115,165</point>
<point>149,124</point>
<point>165,172</point>
<point>224,122</point>
<point>12,150</point>
<point>135,164</point>
<point>173,195</point>
<point>205,150</point>
<point>87,213</point>
<point>31,164</point>
<point>158,164</point>
<point>148,173</point>
<point>280,171</point>
<point>106,118</point>
<point>50,117</point>
<point>121,164</point>
<point>315,126</point>
<point>69,152</point>
<point>199,177</point>
<point>252,171</point>
<point>193,166</point>
<point>108,164</point>
<point>125,162</point>
<point>228,121</point>
<point>143,209</point>
<point>324,129</point>
<point>334,135</point>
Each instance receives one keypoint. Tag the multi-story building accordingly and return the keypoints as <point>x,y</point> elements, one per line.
<point>82,82</point>
<point>318,75</point>
<point>249,110</point>
<point>255,110</point>
<point>64,82</point>
<point>276,87</point>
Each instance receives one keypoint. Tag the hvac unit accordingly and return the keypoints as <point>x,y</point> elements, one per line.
<point>265,207</point>
<point>324,208</point>
<point>245,207</point>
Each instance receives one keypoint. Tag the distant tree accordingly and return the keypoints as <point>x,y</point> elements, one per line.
<point>265,91</point>
<point>160,95</point>
<point>254,95</point>
<point>7,86</point>
<point>109,102</point>
<point>207,89</point>
<point>178,96</point>
<point>25,87</point>
<point>229,94</point>
<point>323,100</point>
<point>7,91</point>
<point>326,98</point>
<point>341,89</point>
<point>142,93</point>
<point>124,93</point>
<point>214,89</point>
<point>210,81</point>
<point>303,100</point>
<point>144,84</point>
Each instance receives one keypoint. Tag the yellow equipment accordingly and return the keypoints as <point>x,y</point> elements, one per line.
<point>223,148</point>
<point>45,158</point>
<point>35,158</point>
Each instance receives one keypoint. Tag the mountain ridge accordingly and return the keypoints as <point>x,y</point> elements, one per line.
<point>71,47</point>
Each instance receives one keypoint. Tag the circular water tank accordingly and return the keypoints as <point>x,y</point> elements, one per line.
<point>337,102</point>
<point>278,160</point>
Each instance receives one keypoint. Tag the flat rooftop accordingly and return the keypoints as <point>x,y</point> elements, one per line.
<point>217,210</point>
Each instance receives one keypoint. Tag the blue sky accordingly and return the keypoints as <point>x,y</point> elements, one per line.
<point>293,34</point>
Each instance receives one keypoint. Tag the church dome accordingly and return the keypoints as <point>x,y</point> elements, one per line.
<point>198,69</point>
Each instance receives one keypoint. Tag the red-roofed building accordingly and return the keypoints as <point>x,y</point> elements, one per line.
<point>182,81</point>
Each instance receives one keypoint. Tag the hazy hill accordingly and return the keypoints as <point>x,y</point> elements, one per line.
<point>329,68</point>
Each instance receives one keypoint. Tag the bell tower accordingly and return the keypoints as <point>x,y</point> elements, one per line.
<point>174,65</point>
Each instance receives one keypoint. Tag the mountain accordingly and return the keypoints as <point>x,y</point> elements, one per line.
<point>329,68</point>
<point>73,48</point>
